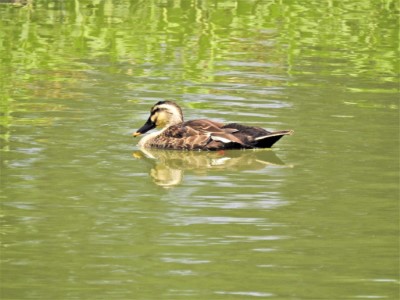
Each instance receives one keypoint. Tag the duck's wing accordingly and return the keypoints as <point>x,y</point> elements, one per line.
<point>198,134</point>
<point>217,133</point>
<point>203,125</point>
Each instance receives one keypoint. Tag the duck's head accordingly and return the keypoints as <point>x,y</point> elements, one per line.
<point>162,114</point>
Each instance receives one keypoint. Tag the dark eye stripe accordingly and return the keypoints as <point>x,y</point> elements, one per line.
<point>158,109</point>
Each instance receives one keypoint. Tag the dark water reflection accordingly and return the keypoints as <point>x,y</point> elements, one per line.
<point>315,218</point>
<point>167,167</point>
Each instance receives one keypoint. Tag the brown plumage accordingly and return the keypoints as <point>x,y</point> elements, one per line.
<point>201,134</point>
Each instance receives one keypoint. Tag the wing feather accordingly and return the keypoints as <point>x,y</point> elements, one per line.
<point>199,134</point>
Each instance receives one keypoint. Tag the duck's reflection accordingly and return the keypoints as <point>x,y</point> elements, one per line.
<point>167,167</point>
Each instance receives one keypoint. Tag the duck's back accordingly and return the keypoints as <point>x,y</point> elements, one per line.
<point>193,135</point>
<point>210,135</point>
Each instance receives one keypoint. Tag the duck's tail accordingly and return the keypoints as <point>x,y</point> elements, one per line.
<point>267,141</point>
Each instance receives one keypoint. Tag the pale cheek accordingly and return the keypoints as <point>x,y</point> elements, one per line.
<point>161,123</point>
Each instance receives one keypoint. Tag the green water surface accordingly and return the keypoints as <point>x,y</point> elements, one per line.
<point>86,214</point>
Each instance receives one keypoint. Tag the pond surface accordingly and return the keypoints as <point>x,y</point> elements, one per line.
<point>88,215</point>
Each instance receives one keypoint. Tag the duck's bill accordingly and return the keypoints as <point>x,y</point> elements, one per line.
<point>149,125</point>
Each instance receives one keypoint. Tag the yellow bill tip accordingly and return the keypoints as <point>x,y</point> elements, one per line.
<point>136,134</point>
<point>137,154</point>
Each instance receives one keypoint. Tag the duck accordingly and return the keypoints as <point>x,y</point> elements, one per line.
<point>201,134</point>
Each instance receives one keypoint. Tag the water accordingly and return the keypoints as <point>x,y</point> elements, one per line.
<point>88,215</point>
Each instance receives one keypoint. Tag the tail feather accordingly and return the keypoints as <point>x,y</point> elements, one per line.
<point>267,141</point>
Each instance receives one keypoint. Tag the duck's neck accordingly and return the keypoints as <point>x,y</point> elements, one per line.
<point>149,137</point>
<point>175,119</point>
